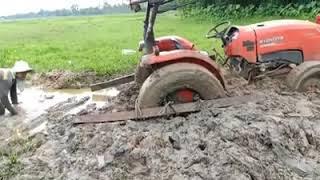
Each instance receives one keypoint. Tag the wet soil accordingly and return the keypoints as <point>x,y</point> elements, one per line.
<point>278,138</point>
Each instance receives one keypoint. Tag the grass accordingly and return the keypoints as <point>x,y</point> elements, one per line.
<point>91,43</point>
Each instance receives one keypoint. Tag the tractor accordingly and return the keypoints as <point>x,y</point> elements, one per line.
<point>173,69</point>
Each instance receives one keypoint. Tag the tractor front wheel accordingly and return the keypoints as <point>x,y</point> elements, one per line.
<point>179,83</point>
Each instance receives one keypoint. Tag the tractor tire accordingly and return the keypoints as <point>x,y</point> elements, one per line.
<point>177,76</point>
<point>305,76</point>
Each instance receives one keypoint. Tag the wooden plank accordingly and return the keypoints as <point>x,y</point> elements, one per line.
<point>113,82</point>
<point>159,111</point>
<point>145,114</point>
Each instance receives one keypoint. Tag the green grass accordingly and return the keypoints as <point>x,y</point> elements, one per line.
<point>91,43</point>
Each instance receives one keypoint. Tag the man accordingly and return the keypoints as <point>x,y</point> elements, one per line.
<point>10,80</point>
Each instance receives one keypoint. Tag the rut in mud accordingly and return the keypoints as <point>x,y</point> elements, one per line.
<point>278,138</point>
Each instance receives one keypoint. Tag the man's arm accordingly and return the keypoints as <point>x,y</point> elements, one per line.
<point>13,93</point>
<point>6,103</point>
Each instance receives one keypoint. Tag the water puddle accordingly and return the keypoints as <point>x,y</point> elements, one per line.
<point>35,101</point>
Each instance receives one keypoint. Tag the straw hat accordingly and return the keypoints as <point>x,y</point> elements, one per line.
<point>21,66</point>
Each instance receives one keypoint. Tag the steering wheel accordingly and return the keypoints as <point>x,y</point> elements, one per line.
<point>215,33</point>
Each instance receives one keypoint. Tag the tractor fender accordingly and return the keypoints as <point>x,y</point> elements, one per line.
<point>299,74</point>
<point>152,62</point>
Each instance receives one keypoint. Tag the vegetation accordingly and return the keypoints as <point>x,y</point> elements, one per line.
<point>95,43</point>
<point>88,43</point>
<point>206,3</point>
<point>73,43</point>
<point>235,9</point>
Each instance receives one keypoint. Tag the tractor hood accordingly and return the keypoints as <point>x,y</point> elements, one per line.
<point>282,25</point>
<point>251,42</point>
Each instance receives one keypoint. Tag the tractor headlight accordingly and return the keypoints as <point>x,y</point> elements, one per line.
<point>235,36</point>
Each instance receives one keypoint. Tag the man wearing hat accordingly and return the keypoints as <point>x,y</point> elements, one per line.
<point>10,80</point>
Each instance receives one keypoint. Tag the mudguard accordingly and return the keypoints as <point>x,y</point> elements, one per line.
<point>151,62</point>
<point>169,43</point>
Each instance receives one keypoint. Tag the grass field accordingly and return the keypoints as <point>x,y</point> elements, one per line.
<point>90,43</point>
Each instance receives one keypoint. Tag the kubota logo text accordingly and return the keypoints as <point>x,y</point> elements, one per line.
<point>276,39</point>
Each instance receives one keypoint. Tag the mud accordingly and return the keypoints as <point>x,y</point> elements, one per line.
<point>64,79</point>
<point>60,79</point>
<point>278,138</point>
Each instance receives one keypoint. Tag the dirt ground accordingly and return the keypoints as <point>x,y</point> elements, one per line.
<point>278,138</point>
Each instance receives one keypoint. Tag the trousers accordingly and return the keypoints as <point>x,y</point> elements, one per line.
<point>2,109</point>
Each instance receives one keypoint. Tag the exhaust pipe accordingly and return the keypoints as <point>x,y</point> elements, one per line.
<point>318,19</point>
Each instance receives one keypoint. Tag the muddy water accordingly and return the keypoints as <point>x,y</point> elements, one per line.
<point>34,101</point>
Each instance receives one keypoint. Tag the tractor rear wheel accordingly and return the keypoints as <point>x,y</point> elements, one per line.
<point>305,76</point>
<point>180,83</point>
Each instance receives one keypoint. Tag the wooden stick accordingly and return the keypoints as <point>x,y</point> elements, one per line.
<point>114,82</point>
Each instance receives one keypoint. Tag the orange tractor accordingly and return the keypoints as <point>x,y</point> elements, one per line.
<point>172,69</point>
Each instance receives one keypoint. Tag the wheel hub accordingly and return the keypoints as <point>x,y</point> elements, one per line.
<point>183,96</point>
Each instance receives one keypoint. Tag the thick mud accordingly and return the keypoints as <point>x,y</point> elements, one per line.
<point>64,79</point>
<point>278,138</point>
<point>59,79</point>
